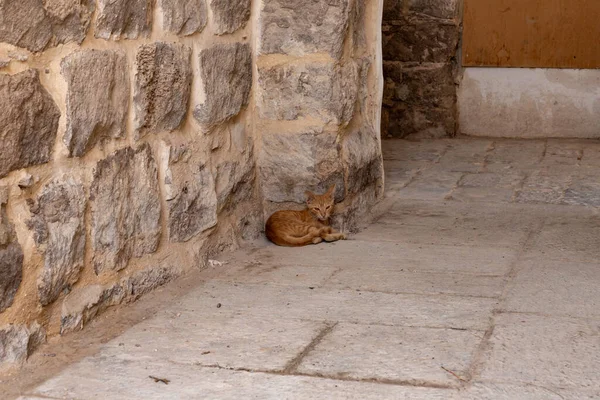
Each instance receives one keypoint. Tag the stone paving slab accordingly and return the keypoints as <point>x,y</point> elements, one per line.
<point>337,305</point>
<point>572,239</point>
<point>406,281</point>
<point>101,378</point>
<point>223,339</point>
<point>503,391</point>
<point>555,288</point>
<point>415,355</point>
<point>544,351</point>
<point>362,253</point>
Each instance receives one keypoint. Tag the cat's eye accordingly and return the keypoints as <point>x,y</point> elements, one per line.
<point>328,207</point>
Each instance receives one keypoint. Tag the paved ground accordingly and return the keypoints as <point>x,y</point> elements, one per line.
<point>481,281</point>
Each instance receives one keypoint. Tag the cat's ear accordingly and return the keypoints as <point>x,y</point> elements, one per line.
<point>310,196</point>
<point>330,190</point>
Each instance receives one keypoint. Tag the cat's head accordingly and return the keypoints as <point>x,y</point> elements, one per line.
<point>321,205</point>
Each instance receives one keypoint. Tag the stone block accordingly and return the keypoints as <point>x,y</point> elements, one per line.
<point>28,122</point>
<point>429,85</point>
<point>40,24</point>
<point>190,193</point>
<point>59,228</point>
<point>362,160</point>
<point>397,9</point>
<point>184,17</point>
<point>17,342</point>
<point>70,19</point>
<point>300,27</point>
<point>83,304</point>
<point>163,83</point>
<point>11,258</point>
<point>234,182</point>
<point>97,98</point>
<point>230,15</point>
<point>327,91</point>
<point>422,121</point>
<point>123,19</point>
<point>125,205</point>
<point>226,71</point>
<point>291,163</point>
<point>420,40</point>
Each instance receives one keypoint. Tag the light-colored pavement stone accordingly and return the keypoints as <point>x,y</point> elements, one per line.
<point>408,281</point>
<point>504,391</point>
<point>556,288</point>
<point>328,304</point>
<point>222,339</point>
<point>127,380</point>
<point>414,355</point>
<point>544,351</point>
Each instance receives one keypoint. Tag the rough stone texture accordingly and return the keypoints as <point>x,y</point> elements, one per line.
<point>127,19</point>
<point>163,84</point>
<point>300,27</point>
<point>226,71</point>
<point>83,304</point>
<point>70,19</point>
<point>125,208</point>
<point>97,98</point>
<point>420,99</point>
<point>361,157</point>
<point>291,163</point>
<point>28,122</point>
<point>36,24</point>
<point>191,197</point>
<point>17,342</point>
<point>327,91</point>
<point>230,15</point>
<point>58,224</point>
<point>424,32</point>
<point>397,9</point>
<point>420,41</point>
<point>11,258</point>
<point>234,183</point>
<point>184,17</point>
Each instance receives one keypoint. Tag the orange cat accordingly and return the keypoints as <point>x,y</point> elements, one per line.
<point>310,226</point>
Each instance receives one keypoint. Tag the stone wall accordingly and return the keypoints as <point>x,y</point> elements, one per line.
<point>138,140</point>
<point>420,41</point>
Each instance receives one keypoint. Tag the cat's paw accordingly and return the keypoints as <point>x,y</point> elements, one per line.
<point>317,240</point>
<point>343,236</point>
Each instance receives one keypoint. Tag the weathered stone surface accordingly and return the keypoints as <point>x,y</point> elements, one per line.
<point>125,208</point>
<point>83,304</point>
<point>163,84</point>
<point>128,19</point>
<point>300,27</point>
<point>28,122</point>
<point>362,160</point>
<point>36,24</point>
<point>97,98</point>
<point>17,342</point>
<point>58,222</point>
<point>11,258</point>
<point>420,40</point>
<point>234,183</point>
<point>70,19</point>
<point>226,71</point>
<point>184,17</point>
<point>420,99</point>
<point>191,196</point>
<point>327,91</point>
<point>396,9</point>
<point>230,15</point>
<point>291,163</point>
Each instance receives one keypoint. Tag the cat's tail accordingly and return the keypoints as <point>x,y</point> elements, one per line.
<point>292,241</point>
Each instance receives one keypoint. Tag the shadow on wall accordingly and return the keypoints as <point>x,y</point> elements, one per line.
<point>420,42</point>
